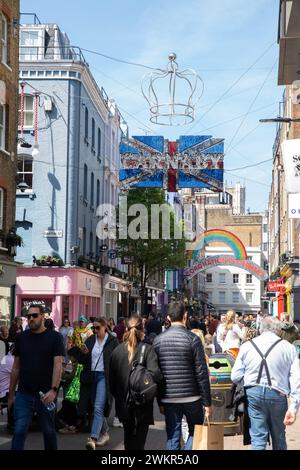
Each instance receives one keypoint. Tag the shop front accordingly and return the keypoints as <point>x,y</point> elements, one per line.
<point>8,271</point>
<point>115,297</point>
<point>64,291</point>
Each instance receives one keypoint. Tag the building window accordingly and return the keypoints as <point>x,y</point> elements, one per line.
<point>93,134</point>
<point>28,111</point>
<point>31,45</point>
<point>86,125</point>
<point>25,172</point>
<point>208,277</point>
<point>222,297</point>
<point>84,241</point>
<point>1,208</point>
<point>248,278</point>
<point>85,182</point>
<point>235,278</point>
<point>4,40</point>
<point>92,189</point>
<point>98,193</point>
<point>222,278</point>
<point>265,228</point>
<point>2,126</point>
<point>249,258</point>
<point>99,143</point>
<point>249,297</point>
<point>235,297</point>
<point>209,296</point>
<point>265,246</point>
<point>91,254</point>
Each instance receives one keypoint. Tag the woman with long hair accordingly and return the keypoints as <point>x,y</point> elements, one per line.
<point>230,334</point>
<point>95,355</point>
<point>135,419</point>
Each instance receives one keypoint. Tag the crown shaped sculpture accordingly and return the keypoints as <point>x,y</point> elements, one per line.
<point>170,94</point>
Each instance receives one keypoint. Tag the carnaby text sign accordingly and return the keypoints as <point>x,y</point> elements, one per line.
<point>212,261</point>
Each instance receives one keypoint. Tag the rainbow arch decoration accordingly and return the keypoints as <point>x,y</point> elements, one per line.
<point>217,235</point>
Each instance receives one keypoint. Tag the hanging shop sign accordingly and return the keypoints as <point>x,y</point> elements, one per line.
<point>291,162</point>
<point>274,286</point>
<point>223,260</point>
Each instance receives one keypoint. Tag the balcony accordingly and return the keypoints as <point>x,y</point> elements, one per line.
<point>289,42</point>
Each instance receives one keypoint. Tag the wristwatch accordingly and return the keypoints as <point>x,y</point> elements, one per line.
<point>54,389</point>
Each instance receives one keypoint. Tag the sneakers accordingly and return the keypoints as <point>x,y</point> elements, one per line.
<point>68,430</point>
<point>116,423</point>
<point>103,441</point>
<point>90,444</point>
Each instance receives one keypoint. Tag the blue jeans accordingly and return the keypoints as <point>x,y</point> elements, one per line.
<point>173,414</point>
<point>25,405</point>
<point>266,410</point>
<point>99,393</point>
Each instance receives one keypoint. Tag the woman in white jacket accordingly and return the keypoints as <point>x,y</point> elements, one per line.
<point>229,334</point>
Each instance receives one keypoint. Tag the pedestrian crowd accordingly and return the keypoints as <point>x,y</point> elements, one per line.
<point>96,362</point>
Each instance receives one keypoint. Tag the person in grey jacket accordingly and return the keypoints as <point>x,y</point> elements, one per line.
<point>186,386</point>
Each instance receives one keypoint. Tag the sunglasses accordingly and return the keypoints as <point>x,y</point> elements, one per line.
<point>33,315</point>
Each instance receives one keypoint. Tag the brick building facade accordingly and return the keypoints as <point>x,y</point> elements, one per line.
<point>9,72</point>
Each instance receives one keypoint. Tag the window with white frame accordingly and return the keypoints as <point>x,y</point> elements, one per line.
<point>209,296</point>
<point>248,278</point>
<point>2,126</point>
<point>28,111</point>
<point>235,297</point>
<point>31,45</point>
<point>222,278</point>
<point>249,297</point>
<point>1,208</point>
<point>4,39</point>
<point>209,277</point>
<point>235,278</point>
<point>25,170</point>
<point>222,297</point>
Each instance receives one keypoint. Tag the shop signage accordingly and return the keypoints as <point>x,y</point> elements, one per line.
<point>112,254</point>
<point>274,286</point>
<point>103,248</point>
<point>224,260</point>
<point>53,233</point>
<point>126,260</point>
<point>294,205</point>
<point>291,161</point>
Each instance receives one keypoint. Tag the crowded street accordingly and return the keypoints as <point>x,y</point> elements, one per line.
<point>149,229</point>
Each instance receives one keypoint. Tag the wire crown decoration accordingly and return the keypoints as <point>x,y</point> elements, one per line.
<point>173,112</point>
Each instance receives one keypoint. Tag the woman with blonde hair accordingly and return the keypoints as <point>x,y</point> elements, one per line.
<point>229,334</point>
<point>136,420</point>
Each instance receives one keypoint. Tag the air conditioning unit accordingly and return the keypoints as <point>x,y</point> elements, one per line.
<point>48,104</point>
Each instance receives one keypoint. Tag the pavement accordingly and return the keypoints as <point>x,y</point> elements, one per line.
<point>156,439</point>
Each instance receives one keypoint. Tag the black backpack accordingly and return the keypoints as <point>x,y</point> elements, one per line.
<point>142,388</point>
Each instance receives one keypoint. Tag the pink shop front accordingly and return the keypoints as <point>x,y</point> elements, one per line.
<point>66,291</point>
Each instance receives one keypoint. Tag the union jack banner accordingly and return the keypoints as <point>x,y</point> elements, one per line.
<point>189,162</point>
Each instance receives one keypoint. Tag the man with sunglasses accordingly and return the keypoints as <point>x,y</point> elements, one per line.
<point>37,368</point>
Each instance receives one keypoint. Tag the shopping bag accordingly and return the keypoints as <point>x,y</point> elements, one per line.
<point>73,392</point>
<point>208,437</point>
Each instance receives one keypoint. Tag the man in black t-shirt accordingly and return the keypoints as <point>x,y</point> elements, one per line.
<point>37,368</point>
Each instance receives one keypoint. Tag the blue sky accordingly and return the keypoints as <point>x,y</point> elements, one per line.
<point>220,39</point>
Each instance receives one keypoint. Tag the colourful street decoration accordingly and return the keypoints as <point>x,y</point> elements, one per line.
<point>212,261</point>
<point>218,235</point>
<point>189,162</point>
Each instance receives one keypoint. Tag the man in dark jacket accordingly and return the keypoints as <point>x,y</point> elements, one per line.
<point>186,379</point>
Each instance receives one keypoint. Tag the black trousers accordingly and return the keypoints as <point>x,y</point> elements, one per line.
<point>134,436</point>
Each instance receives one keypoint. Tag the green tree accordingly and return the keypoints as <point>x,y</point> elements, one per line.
<point>148,254</point>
